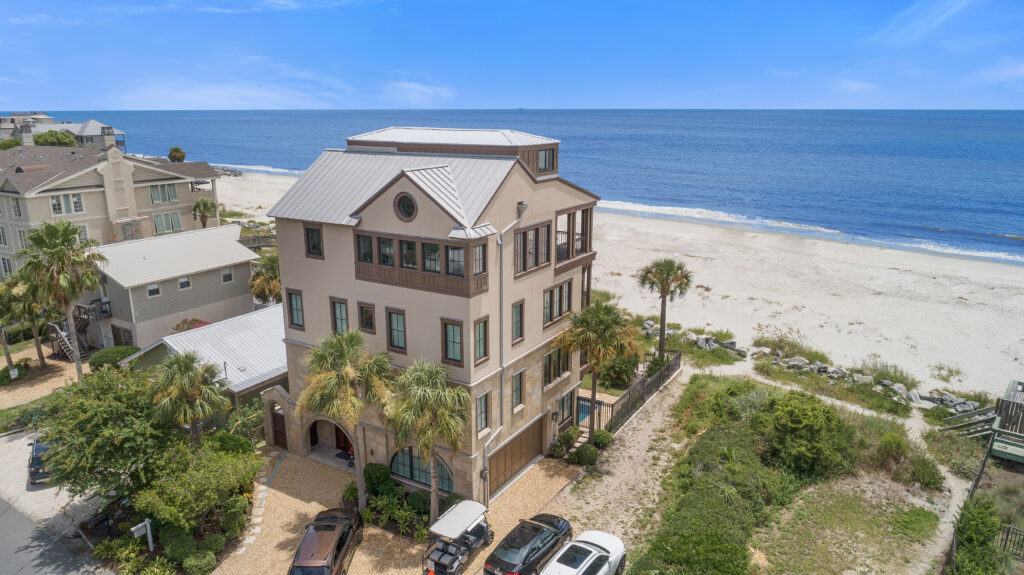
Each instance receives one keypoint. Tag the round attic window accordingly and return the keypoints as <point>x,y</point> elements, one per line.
<point>405,207</point>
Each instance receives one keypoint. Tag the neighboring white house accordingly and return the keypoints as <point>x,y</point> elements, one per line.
<point>150,285</point>
<point>248,349</point>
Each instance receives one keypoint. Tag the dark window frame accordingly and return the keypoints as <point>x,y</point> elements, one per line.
<point>448,260</point>
<point>550,152</point>
<point>301,325</point>
<point>482,260</point>
<point>437,260</point>
<point>478,359</point>
<point>521,304</point>
<point>564,289</point>
<point>344,303</point>
<point>407,452</point>
<point>555,365</point>
<point>319,229</point>
<point>381,252</point>
<point>401,254</point>
<point>373,317</point>
<point>359,252</point>
<point>517,394</point>
<point>521,251</point>
<point>484,414</point>
<point>388,312</point>
<point>398,210</point>
<point>444,342</point>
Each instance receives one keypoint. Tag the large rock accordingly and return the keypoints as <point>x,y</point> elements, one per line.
<point>862,379</point>
<point>648,324</point>
<point>706,342</point>
<point>741,352</point>
<point>837,372</point>
<point>690,337</point>
<point>760,352</point>
<point>899,388</point>
<point>729,344</point>
<point>973,405</point>
<point>962,407</point>
<point>885,382</point>
<point>795,361</point>
<point>915,397</point>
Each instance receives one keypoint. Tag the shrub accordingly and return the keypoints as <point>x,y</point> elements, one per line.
<point>54,138</point>
<point>568,437</point>
<point>9,143</point>
<point>976,529</point>
<point>556,450</point>
<point>192,482</point>
<point>190,323</point>
<point>378,479</point>
<point>238,503</point>
<point>790,342</point>
<point>351,492</point>
<point>917,524</point>
<point>655,365</point>
<point>618,371</point>
<point>893,447</point>
<point>177,543</point>
<point>200,563</point>
<point>808,437</point>
<point>924,471</point>
<point>602,438</point>
<point>111,356</point>
<point>879,370</point>
<point>118,548</point>
<point>225,442</point>
<point>213,542</point>
<point>232,522</point>
<point>448,501</point>
<point>159,566</point>
<point>420,502</point>
<point>585,455</point>
<point>5,373</point>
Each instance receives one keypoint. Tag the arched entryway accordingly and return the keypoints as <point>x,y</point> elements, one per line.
<point>278,431</point>
<point>330,443</point>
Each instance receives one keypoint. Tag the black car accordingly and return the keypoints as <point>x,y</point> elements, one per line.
<point>37,471</point>
<point>529,546</point>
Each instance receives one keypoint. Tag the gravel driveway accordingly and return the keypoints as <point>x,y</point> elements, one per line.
<point>302,487</point>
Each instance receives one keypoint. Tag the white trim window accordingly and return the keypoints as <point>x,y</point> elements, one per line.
<point>227,275</point>
<point>8,269</point>
<point>184,283</point>
<point>62,204</point>
<point>167,222</point>
<point>152,290</point>
<point>83,232</point>
<point>3,236</point>
<point>23,239</point>
<point>16,207</point>
<point>163,193</point>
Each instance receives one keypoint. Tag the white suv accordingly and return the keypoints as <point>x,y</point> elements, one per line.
<point>592,553</point>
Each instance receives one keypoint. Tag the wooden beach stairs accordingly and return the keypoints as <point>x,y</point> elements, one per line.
<point>1004,422</point>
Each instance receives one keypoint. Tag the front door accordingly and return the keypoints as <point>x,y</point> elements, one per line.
<point>341,440</point>
<point>314,439</point>
<point>277,422</point>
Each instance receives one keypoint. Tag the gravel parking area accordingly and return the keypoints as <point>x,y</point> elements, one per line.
<point>303,487</point>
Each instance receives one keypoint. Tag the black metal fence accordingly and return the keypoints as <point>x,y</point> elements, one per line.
<point>612,416</point>
<point>1011,540</point>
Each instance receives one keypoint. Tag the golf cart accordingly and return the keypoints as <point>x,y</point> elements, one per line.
<point>456,535</point>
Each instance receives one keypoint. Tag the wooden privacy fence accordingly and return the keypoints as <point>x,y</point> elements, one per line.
<point>612,416</point>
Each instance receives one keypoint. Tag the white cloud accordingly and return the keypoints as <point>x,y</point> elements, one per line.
<point>855,86</point>
<point>30,19</point>
<point>913,24</point>
<point>415,94</point>
<point>1009,70</point>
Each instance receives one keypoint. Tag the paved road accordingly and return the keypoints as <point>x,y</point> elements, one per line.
<point>28,549</point>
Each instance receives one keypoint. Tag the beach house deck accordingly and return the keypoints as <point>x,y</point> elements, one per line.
<point>1004,422</point>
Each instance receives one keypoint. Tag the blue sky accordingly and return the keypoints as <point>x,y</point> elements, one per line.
<point>256,54</point>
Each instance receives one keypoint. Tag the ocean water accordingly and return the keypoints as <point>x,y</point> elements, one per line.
<point>943,181</point>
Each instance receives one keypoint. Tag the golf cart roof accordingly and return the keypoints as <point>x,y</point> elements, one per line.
<point>459,519</point>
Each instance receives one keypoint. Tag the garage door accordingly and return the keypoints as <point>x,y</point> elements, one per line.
<point>515,455</point>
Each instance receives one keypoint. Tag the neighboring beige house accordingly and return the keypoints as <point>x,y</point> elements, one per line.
<point>110,196</point>
<point>462,247</point>
<point>248,349</point>
<point>147,286</point>
<point>91,133</point>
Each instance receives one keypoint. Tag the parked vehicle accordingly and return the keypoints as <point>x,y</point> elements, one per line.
<point>37,471</point>
<point>592,553</point>
<point>529,546</point>
<point>329,544</point>
<point>459,532</point>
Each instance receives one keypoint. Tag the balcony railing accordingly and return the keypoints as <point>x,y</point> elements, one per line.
<point>580,245</point>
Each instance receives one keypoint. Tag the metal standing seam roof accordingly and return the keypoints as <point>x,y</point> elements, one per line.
<point>251,346</point>
<point>150,260</point>
<point>451,136</point>
<point>341,181</point>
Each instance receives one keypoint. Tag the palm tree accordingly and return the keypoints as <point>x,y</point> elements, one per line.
<point>204,209</point>
<point>670,279</point>
<point>430,412</point>
<point>188,391</point>
<point>601,331</point>
<point>176,155</point>
<point>61,266</point>
<point>28,307</point>
<point>265,281</point>
<point>343,378</point>
<point>6,315</point>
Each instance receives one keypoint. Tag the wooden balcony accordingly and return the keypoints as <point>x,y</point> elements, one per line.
<point>423,281</point>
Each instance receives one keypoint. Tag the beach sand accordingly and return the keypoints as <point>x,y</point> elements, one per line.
<point>850,300</point>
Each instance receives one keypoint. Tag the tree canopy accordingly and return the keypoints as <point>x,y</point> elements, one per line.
<point>265,281</point>
<point>176,155</point>
<point>9,143</point>
<point>54,138</point>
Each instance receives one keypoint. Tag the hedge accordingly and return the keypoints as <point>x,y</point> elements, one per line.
<point>111,356</point>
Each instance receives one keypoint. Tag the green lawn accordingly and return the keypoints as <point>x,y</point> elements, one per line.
<point>585,386</point>
<point>9,415</point>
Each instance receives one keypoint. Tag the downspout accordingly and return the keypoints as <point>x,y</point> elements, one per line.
<point>520,210</point>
